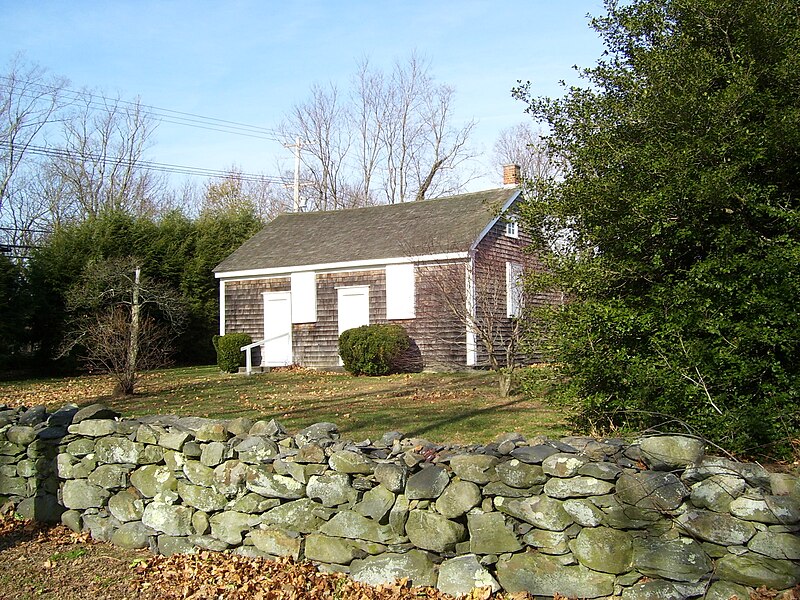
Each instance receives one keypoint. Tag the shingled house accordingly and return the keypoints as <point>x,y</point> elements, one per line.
<point>429,266</point>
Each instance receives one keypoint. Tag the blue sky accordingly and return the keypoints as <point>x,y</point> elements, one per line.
<point>250,61</point>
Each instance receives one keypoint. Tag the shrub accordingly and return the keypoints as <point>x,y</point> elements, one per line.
<point>373,349</point>
<point>229,355</point>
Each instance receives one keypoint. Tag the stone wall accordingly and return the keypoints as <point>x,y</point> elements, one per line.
<point>577,516</point>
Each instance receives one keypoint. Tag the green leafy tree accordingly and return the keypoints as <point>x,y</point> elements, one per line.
<point>13,311</point>
<point>675,230</point>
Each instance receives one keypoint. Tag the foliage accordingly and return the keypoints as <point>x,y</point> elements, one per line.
<point>373,349</point>
<point>13,310</point>
<point>229,354</point>
<point>675,228</point>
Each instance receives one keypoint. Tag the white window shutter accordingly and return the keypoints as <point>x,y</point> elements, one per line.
<point>304,297</point>
<point>400,292</point>
<point>513,289</point>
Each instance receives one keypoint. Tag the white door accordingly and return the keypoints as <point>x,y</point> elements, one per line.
<point>353,307</point>
<point>277,351</point>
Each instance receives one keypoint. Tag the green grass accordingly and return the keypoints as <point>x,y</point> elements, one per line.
<point>442,407</point>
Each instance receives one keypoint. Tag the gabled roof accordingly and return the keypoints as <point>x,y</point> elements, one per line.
<point>425,227</point>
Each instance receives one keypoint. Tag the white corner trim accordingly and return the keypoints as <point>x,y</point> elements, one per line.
<point>355,264</point>
<point>222,307</point>
<point>472,344</point>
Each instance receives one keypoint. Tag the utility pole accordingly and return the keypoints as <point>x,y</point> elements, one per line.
<point>297,145</point>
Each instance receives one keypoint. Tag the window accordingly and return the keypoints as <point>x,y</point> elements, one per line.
<point>514,290</point>
<point>512,227</point>
<point>304,297</point>
<point>400,292</point>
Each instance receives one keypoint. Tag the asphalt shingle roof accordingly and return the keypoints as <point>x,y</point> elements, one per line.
<point>436,226</point>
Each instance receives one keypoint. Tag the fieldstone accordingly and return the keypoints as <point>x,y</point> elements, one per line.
<point>169,519</point>
<point>99,428</point>
<point>207,542</point>
<point>542,575</point>
<point>326,549</point>
<point>169,545</point>
<point>212,432</point>
<point>214,453</point>
<point>21,435</point>
<point>398,515</point>
<point>658,589</point>
<point>73,520</point>
<point>200,523</point>
<point>310,453</point>
<point>533,455</point>
<point>80,447</point>
<point>755,475</point>
<point>540,511</point>
<point>603,549</point>
<point>498,488</point>
<point>415,565</point>
<point>331,490</point>
<point>725,590</point>
<point>33,416</point>
<point>79,494</point>
<point>347,461</point>
<point>429,483</point>
<point>351,525</point>
<point>457,498</point>
<point>271,428</point>
<point>477,468</point>
<point>9,449</point>
<point>198,473</point>
<point>126,506</point>
<point>547,542</point>
<point>118,450</point>
<point>755,570</point>
<point>458,576</point>
<point>111,477</point>
<point>376,503</point>
<point>133,534</point>
<point>174,440</point>
<point>391,476</point>
<point>231,477</point>
<point>780,546</point>
<point>716,528</point>
<point>256,450</point>
<point>606,471</point>
<point>13,486</point>
<point>784,510</point>
<point>668,452</point>
<point>100,526</point>
<point>490,534</point>
<point>651,490</point>
<point>563,465</point>
<point>316,433</point>
<point>269,485</point>
<point>518,474</point>
<point>254,504</point>
<point>43,508</point>
<point>717,492</point>
<point>230,526</point>
<point>682,559</point>
<point>431,531</point>
<point>583,512</point>
<point>277,542</point>
<point>201,498</point>
<point>63,416</point>
<point>299,515</point>
<point>153,479</point>
<point>576,487</point>
<point>94,411</point>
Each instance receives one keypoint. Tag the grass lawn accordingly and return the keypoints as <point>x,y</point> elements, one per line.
<point>441,407</point>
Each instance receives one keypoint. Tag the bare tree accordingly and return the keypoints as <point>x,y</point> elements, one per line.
<point>524,146</point>
<point>99,164</point>
<point>236,192</point>
<point>122,322</point>
<point>487,301</point>
<point>392,139</point>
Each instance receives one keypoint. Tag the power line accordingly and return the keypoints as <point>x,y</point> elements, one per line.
<point>164,115</point>
<point>152,165</point>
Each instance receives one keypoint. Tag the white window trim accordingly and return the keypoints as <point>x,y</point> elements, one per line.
<point>512,228</point>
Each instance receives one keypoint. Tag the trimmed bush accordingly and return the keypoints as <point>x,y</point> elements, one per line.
<point>229,355</point>
<point>373,349</point>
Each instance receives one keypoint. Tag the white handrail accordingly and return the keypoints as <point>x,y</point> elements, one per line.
<point>248,352</point>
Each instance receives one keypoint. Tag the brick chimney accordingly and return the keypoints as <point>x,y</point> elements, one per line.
<point>511,175</point>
